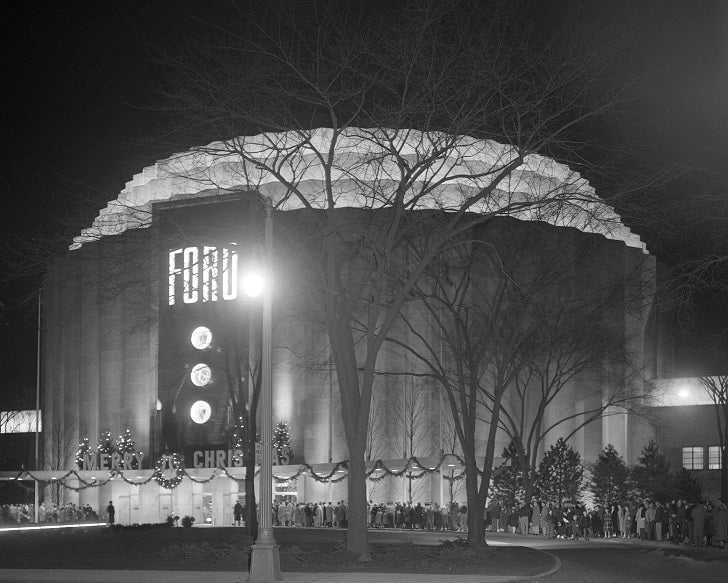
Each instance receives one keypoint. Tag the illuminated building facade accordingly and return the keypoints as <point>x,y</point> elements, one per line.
<point>143,317</point>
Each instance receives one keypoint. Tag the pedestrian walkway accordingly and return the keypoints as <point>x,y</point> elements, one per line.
<point>95,576</point>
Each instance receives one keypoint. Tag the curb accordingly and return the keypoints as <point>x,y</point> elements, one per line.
<point>536,578</point>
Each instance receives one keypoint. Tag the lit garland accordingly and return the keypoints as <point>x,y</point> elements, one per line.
<point>305,469</point>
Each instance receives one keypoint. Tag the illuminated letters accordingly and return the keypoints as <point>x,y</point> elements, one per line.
<point>209,274</point>
<point>214,458</point>
<point>229,274</point>
<point>113,461</point>
<point>199,273</point>
<point>89,462</point>
<point>190,274</point>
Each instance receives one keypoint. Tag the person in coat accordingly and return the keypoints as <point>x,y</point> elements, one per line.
<point>463,519</point>
<point>699,519</point>
<point>238,513</point>
<point>523,513</point>
<point>505,518</point>
<point>659,521</point>
<point>495,515</point>
<point>720,523</point>
<point>535,518</point>
<point>623,517</point>
<point>111,512</point>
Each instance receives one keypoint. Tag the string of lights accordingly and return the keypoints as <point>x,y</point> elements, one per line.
<point>169,472</point>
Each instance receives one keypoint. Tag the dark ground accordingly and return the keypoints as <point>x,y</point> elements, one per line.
<point>226,549</point>
<point>627,564</point>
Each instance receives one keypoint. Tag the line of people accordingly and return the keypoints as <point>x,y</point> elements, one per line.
<point>704,523</point>
<point>312,514</point>
<point>15,514</point>
<point>427,516</point>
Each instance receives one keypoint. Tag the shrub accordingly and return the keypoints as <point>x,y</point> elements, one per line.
<point>187,521</point>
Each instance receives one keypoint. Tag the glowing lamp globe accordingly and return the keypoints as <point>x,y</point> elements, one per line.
<point>200,412</point>
<point>201,337</point>
<point>200,375</point>
<point>252,284</point>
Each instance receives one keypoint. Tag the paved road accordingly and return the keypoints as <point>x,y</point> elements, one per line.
<point>607,560</point>
<point>595,561</point>
<point>626,561</point>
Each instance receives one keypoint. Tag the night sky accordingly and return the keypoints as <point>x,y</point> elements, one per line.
<point>76,74</point>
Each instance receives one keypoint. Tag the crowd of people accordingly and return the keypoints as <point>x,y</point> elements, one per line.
<point>403,515</point>
<point>680,522</point>
<point>318,514</point>
<point>430,516</point>
<point>15,514</point>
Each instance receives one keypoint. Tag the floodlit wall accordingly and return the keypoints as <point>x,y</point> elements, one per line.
<point>101,324</point>
<point>99,346</point>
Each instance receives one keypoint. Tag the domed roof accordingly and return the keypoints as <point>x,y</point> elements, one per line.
<point>364,168</point>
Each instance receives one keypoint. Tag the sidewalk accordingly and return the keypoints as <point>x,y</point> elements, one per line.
<point>89,576</point>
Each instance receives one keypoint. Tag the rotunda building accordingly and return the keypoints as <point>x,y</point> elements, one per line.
<point>147,332</point>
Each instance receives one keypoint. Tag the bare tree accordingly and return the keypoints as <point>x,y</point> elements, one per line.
<point>241,351</point>
<point>521,315</point>
<point>486,100</point>
<point>410,418</point>
<point>59,441</point>
<point>378,444</point>
<point>717,388</point>
<point>379,433</point>
<point>451,445</point>
<point>474,303</point>
<point>575,345</point>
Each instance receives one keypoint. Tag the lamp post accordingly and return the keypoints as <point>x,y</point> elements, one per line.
<point>36,495</point>
<point>265,564</point>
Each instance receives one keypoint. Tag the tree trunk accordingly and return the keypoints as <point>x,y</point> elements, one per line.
<point>724,474</point>
<point>527,487</point>
<point>251,519</point>
<point>476,505</point>
<point>355,430</point>
<point>489,455</point>
<point>357,536</point>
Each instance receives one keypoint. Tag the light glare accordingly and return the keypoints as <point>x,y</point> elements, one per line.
<point>252,284</point>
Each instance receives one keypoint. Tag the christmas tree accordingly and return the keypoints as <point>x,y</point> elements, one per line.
<point>610,478</point>
<point>282,443</point>
<point>106,444</point>
<point>560,474</point>
<point>84,448</point>
<point>507,486</point>
<point>238,438</point>
<point>125,443</point>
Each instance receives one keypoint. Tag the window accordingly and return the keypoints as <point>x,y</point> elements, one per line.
<point>20,421</point>
<point>714,457</point>
<point>692,458</point>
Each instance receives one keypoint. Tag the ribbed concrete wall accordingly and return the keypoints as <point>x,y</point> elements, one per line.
<point>99,348</point>
<point>100,358</point>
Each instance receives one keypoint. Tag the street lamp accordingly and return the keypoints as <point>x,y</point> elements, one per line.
<point>265,564</point>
